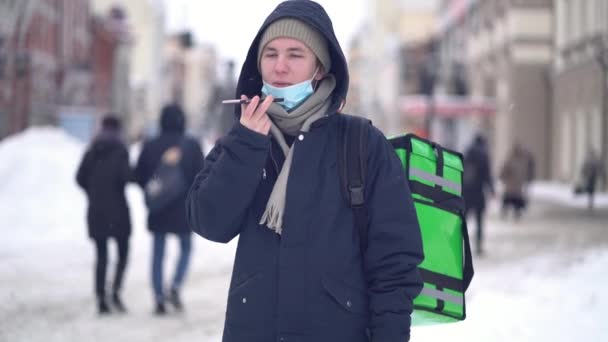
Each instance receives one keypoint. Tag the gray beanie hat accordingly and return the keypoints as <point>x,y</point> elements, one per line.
<point>297,29</point>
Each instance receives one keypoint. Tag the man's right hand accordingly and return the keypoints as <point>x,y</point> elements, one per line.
<point>253,114</point>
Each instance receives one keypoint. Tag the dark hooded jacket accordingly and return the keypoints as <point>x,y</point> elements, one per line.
<point>103,174</point>
<point>171,219</point>
<point>478,175</point>
<point>309,284</point>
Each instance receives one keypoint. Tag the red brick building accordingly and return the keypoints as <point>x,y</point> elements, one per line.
<point>57,58</point>
<point>110,36</point>
<point>44,51</point>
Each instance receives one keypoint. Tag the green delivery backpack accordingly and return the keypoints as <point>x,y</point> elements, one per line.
<point>434,176</point>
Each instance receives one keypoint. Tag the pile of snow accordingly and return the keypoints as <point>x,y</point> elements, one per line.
<point>39,153</point>
<point>38,188</point>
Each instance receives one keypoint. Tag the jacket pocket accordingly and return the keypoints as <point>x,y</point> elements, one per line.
<point>249,305</point>
<point>241,282</point>
<point>349,298</point>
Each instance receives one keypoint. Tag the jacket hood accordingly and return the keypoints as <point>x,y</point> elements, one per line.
<point>250,80</point>
<point>172,119</point>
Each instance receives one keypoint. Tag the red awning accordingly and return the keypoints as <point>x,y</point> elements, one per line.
<point>446,106</point>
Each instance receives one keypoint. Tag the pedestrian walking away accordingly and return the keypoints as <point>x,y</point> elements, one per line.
<point>165,169</point>
<point>478,183</point>
<point>103,174</point>
<point>300,273</point>
<point>516,174</point>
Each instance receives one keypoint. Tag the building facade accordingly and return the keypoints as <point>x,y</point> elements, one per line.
<point>144,59</point>
<point>61,64</point>
<point>580,120</point>
<point>506,48</point>
<point>376,59</point>
<point>190,76</point>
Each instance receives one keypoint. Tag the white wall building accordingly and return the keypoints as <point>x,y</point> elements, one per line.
<point>145,58</point>
<point>376,60</point>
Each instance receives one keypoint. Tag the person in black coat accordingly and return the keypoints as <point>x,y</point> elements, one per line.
<point>103,174</point>
<point>300,272</point>
<point>171,146</point>
<point>592,172</point>
<point>478,181</point>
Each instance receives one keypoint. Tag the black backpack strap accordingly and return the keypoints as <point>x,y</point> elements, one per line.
<point>437,195</point>
<point>182,145</point>
<point>352,165</point>
<point>456,201</point>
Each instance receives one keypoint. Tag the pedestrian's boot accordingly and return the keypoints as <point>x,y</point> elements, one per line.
<point>479,250</point>
<point>160,309</point>
<point>103,307</point>
<point>175,300</point>
<point>117,303</point>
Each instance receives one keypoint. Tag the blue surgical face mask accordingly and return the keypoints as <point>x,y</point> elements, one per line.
<point>293,95</point>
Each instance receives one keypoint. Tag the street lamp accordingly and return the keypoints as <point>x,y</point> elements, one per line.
<point>600,46</point>
<point>22,63</point>
<point>428,77</point>
<point>3,66</point>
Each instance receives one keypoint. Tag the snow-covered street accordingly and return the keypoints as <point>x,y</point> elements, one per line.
<point>542,278</point>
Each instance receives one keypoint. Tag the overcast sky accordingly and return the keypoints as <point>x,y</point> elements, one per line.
<point>230,25</point>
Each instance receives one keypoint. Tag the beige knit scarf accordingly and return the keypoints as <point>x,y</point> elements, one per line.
<point>298,120</point>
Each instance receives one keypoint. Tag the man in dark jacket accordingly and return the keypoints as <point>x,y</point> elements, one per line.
<point>170,147</point>
<point>103,174</point>
<point>477,181</point>
<point>300,273</point>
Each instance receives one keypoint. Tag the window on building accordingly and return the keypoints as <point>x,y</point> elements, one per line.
<point>592,7</point>
<point>582,17</point>
<point>603,16</point>
<point>3,66</point>
<point>595,125</point>
<point>567,19</point>
<point>566,146</point>
<point>475,19</point>
<point>560,25</point>
<point>575,24</point>
<point>581,138</point>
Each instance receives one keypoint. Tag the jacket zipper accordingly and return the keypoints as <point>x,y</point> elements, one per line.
<point>274,162</point>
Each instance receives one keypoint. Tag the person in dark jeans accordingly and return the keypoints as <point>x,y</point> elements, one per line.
<point>101,247</point>
<point>478,181</point>
<point>103,174</point>
<point>185,243</point>
<point>173,147</point>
